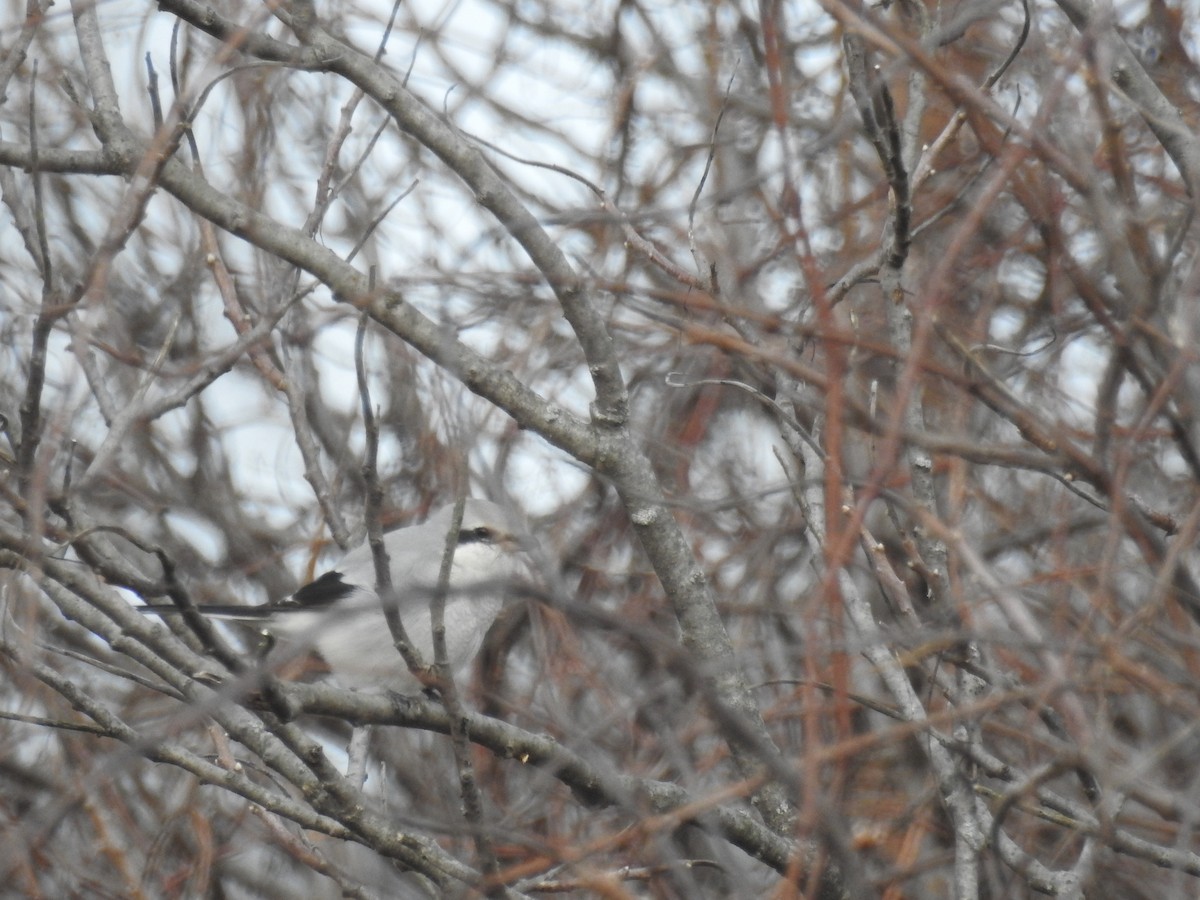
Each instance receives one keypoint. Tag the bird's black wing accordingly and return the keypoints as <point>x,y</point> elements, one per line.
<point>325,591</point>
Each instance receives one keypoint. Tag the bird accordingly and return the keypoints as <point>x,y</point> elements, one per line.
<point>341,616</point>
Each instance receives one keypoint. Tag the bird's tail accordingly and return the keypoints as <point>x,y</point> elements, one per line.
<point>227,611</point>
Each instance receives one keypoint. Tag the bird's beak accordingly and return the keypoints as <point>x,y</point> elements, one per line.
<point>518,541</point>
<point>512,543</point>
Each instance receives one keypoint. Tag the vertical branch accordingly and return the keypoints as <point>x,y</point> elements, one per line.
<point>32,488</point>
<point>469,790</point>
<point>374,509</point>
<point>831,881</point>
<point>878,114</point>
<point>877,111</point>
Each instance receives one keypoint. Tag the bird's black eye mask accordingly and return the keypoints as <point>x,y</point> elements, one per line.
<point>480,535</point>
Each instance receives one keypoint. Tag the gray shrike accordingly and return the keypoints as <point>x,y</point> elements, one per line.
<point>341,616</point>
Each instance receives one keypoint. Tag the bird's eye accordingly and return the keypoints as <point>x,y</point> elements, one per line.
<point>479,535</point>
